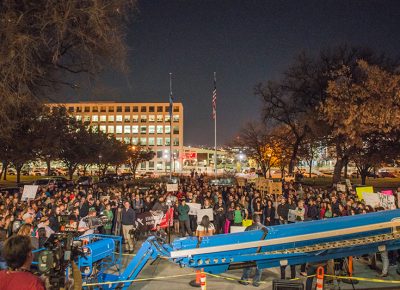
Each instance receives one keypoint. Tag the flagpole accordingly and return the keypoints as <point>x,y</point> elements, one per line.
<point>170,126</point>
<point>215,129</point>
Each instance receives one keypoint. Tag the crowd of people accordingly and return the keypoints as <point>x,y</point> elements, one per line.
<point>120,205</point>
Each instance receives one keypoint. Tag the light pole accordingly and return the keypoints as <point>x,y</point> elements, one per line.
<point>100,157</point>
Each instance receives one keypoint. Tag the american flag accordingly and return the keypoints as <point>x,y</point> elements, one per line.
<point>214,99</point>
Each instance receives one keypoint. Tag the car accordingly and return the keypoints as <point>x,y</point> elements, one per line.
<point>126,176</point>
<point>384,174</point>
<point>57,180</point>
<point>38,172</point>
<point>84,181</point>
<point>109,178</point>
<point>11,171</point>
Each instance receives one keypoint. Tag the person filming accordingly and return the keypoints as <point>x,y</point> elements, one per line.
<point>17,251</point>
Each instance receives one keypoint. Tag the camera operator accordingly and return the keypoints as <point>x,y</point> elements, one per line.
<point>84,226</point>
<point>54,222</point>
<point>17,251</point>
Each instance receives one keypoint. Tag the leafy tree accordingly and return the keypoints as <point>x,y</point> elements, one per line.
<point>138,154</point>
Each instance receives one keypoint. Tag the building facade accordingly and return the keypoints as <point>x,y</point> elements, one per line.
<point>147,124</point>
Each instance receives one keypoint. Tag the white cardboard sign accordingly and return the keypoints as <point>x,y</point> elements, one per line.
<point>29,192</point>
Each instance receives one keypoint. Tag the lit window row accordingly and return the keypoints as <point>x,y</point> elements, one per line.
<point>127,129</point>
<point>120,109</point>
<point>151,141</point>
<point>127,118</point>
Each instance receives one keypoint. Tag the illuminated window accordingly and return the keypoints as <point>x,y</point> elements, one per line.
<point>143,118</point>
<point>95,118</point>
<point>151,129</point>
<point>86,119</point>
<point>152,118</point>
<point>143,165</point>
<point>160,141</point>
<point>176,130</point>
<point>135,118</point>
<point>159,165</point>
<point>111,129</point>
<point>176,118</point>
<point>135,129</point>
<point>167,142</point>
<point>119,139</point>
<point>167,129</point>
<point>176,142</point>
<point>143,129</point>
<point>78,117</point>
<point>127,140</point>
<point>127,129</point>
<point>167,118</point>
<point>143,141</point>
<point>151,165</point>
<point>103,118</point>
<point>111,118</point>
<point>127,118</point>
<point>151,141</point>
<point>160,129</point>
<point>118,118</point>
<point>135,140</point>
<point>159,118</point>
<point>103,128</point>
<point>118,129</point>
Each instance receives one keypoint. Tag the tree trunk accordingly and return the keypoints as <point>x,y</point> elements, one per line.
<point>18,168</point>
<point>345,169</point>
<point>263,169</point>
<point>48,163</point>
<point>2,169</point>
<point>294,155</point>
<point>5,165</point>
<point>310,169</point>
<point>337,172</point>
<point>363,177</point>
<point>71,170</point>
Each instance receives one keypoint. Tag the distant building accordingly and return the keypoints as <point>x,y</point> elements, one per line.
<point>147,124</point>
<point>202,159</point>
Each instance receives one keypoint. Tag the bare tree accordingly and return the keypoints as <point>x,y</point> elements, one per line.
<point>45,44</point>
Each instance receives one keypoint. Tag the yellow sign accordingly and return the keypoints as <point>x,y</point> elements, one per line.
<point>364,189</point>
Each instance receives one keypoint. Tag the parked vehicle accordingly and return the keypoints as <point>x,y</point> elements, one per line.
<point>11,171</point>
<point>387,174</point>
<point>85,181</point>
<point>126,176</point>
<point>57,181</point>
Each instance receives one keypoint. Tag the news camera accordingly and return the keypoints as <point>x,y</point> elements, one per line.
<point>61,250</point>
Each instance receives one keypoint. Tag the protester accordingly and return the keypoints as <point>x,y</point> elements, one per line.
<point>183,216</point>
<point>205,228</point>
<point>127,220</point>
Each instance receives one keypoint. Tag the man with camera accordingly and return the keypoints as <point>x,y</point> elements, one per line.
<point>17,251</point>
<point>128,219</point>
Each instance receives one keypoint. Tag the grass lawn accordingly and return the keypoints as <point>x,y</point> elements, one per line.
<point>380,183</point>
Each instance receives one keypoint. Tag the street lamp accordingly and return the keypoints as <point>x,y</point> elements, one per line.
<point>100,157</point>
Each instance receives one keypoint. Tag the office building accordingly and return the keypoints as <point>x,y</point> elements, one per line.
<point>147,124</point>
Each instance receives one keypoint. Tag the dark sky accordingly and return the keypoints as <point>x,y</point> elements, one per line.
<point>245,42</point>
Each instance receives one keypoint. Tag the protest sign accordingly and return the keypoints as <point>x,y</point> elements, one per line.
<point>275,187</point>
<point>29,192</point>
<point>241,182</point>
<point>387,192</point>
<point>361,190</point>
<point>379,200</point>
<point>348,184</point>
<point>341,187</point>
<point>172,187</point>
<point>202,212</point>
<point>194,207</point>
<point>147,221</point>
<point>237,229</point>
<point>247,223</point>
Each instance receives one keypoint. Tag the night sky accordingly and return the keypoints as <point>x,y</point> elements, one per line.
<point>245,42</point>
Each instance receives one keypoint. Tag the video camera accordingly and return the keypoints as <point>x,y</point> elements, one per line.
<point>61,250</point>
